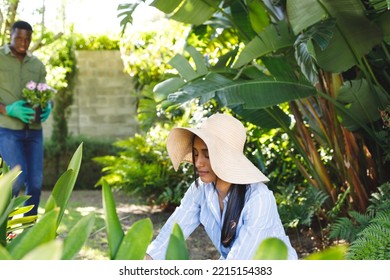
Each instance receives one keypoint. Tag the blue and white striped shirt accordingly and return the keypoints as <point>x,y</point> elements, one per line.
<point>259,219</point>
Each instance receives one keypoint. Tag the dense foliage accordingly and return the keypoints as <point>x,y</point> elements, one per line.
<point>368,233</point>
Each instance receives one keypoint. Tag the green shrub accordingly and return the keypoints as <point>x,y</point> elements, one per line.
<point>367,233</point>
<point>90,171</point>
<point>142,167</point>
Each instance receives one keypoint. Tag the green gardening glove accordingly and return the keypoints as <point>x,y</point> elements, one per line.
<point>18,110</point>
<point>46,112</point>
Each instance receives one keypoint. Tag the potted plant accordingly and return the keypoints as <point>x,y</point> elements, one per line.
<point>38,96</point>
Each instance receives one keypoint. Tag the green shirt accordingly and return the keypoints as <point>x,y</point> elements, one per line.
<point>14,75</point>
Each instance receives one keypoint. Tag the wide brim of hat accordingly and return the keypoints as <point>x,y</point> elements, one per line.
<point>228,164</point>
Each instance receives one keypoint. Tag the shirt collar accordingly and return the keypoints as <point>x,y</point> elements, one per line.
<point>7,50</point>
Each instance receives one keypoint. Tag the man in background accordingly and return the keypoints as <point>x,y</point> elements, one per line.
<point>21,139</point>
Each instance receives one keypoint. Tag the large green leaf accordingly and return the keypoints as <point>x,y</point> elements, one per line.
<point>195,11</point>
<point>63,188</point>
<point>280,68</point>
<point>4,255</point>
<point>5,201</point>
<point>166,6</point>
<point>168,86</point>
<point>114,229</point>
<point>273,38</point>
<point>305,13</point>
<point>188,11</point>
<point>77,236</point>
<point>58,197</point>
<point>362,103</point>
<point>252,94</point>
<point>264,118</point>
<point>42,232</point>
<point>136,241</point>
<point>331,253</point>
<point>258,15</point>
<point>354,35</point>
<point>177,248</point>
<point>51,250</point>
<point>271,249</point>
<point>200,63</point>
<point>6,181</point>
<point>126,13</point>
<point>241,21</point>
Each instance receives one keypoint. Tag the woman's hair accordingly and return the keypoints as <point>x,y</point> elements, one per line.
<point>233,209</point>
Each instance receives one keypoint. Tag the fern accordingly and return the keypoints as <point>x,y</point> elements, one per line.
<point>348,228</point>
<point>368,233</point>
<point>372,243</point>
<point>380,201</point>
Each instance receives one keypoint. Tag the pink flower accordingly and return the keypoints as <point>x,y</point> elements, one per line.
<point>31,85</point>
<point>42,87</point>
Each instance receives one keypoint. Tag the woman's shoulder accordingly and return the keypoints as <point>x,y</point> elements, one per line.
<point>258,190</point>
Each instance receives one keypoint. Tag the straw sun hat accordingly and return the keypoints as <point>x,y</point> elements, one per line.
<point>225,138</point>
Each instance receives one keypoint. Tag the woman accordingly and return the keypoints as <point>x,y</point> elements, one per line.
<point>229,198</point>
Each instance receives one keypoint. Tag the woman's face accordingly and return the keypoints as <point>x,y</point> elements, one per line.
<point>202,161</point>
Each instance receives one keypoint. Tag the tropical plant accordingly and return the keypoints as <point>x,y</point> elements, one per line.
<point>39,240</point>
<point>311,74</point>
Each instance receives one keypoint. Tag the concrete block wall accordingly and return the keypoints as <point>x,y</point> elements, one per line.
<point>104,98</point>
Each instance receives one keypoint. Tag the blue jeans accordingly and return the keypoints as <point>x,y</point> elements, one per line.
<point>24,148</point>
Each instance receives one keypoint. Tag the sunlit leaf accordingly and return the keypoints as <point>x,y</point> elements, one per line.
<point>332,253</point>
<point>4,255</point>
<point>136,241</point>
<point>40,233</point>
<point>51,250</point>
<point>77,236</point>
<point>63,188</point>
<point>271,249</point>
<point>177,248</point>
<point>114,229</point>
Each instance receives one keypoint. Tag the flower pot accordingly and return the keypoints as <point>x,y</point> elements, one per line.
<point>37,116</point>
<point>38,112</point>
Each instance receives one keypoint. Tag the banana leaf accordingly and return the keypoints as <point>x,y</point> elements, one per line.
<point>188,11</point>
<point>362,104</point>
<point>273,38</point>
<point>264,118</point>
<point>252,94</point>
<point>354,34</point>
